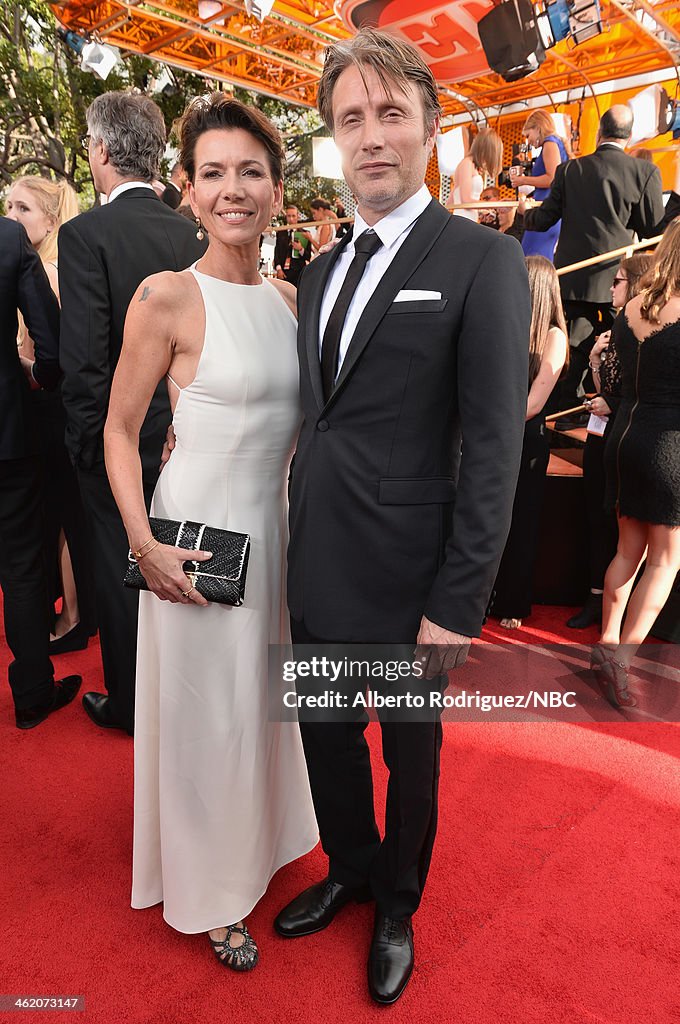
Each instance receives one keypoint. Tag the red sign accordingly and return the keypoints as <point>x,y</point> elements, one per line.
<point>445,33</point>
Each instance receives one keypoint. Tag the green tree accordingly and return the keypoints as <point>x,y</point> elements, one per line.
<point>44,95</point>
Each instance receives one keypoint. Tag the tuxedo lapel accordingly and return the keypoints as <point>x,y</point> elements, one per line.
<point>419,242</point>
<point>313,300</point>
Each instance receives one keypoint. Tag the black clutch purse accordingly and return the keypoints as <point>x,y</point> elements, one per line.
<point>222,579</point>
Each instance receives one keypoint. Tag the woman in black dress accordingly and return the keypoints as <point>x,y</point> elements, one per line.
<point>548,353</point>
<point>602,530</point>
<point>642,459</point>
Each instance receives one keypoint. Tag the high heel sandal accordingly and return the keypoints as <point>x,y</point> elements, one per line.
<point>238,958</point>
<point>612,677</point>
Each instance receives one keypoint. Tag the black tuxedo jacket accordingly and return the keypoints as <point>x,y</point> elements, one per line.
<point>283,249</point>
<point>171,196</point>
<point>104,255</point>
<point>387,520</point>
<point>24,286</point>
<point>602,199</point>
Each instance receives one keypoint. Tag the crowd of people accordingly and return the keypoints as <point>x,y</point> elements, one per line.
<point>408,421</point>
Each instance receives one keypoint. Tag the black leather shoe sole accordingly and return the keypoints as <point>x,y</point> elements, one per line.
<point>363,895</point>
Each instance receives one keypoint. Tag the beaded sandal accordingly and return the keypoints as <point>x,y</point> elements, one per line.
<point>238,958</point>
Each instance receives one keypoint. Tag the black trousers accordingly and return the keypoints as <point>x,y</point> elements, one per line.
<point>117,606</point>
<point>599,318</point>
<point>23,578</point>
<point>339,766</point>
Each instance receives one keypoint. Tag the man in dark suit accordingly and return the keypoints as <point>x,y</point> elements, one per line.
<point>173,192</point>
<point>602,199</point>
<point>104,254</point>
<point>291,254</point>
<point>23,575</point>
<point>413,339</point>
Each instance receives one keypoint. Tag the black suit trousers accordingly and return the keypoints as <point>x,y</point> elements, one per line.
<point>117,605</point>
<point>599,317</point>
<point>339,766</point>
<point>23,578</point>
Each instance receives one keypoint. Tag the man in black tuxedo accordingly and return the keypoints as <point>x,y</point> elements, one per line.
<point>104,254</point>
<point>413,339</point>
<point>173,192</point>
<point>23,574</point>
<point>291,255</point>
<point>602,199</point>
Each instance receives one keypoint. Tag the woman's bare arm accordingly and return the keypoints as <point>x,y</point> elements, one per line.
<point>148,348</point>
<point>551,367</point>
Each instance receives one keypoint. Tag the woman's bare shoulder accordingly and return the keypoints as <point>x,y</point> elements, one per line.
<point>166,290</point>
<point>288,293</point>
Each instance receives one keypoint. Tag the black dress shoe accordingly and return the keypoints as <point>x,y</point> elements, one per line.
<point>63,693</point>
<point>76,639</point>
<point>590,614</point>
<point>314,909</point>
<point>98,708</point>
<point>390,961</point>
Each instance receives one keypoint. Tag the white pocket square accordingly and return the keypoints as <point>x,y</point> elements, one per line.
<point>414,294</point>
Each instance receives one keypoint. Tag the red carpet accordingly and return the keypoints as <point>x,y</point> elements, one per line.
<point>553,894</point>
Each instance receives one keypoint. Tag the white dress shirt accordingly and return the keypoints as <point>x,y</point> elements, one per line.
<point>392,231</point>
<point>126,186</point>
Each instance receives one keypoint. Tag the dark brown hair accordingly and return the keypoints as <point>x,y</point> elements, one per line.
<point>635,268</point>
<point>546,310</point>
<point>219,110</point>
<point>394,61</point>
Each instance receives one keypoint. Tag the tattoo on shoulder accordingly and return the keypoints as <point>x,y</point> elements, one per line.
<point>145,294</point>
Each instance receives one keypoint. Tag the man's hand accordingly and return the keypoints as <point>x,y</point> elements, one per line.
<point>280,274</point>
<point>27,367</point>
<point>439,650</point>
<point>168,447</point>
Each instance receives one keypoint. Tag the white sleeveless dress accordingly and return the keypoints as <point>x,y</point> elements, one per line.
<point>222,799</point>
<point>477,189</point>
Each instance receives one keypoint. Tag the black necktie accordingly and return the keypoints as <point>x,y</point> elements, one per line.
<point>365,246</point>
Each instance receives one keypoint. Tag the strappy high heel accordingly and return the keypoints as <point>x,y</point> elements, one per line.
<point>612,677</point>
<point>238,958</point>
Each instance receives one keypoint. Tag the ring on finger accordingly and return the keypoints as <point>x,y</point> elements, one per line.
<point>185,593</point>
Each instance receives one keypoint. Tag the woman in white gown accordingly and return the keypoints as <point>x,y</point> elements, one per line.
<point>221,794</point>
<point>484,159</point>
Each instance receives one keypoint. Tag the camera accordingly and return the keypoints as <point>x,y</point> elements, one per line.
<point>521,157</point>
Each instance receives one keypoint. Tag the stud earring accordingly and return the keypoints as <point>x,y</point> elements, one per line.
<point>199,230</point>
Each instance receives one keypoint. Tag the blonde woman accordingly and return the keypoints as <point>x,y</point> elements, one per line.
<point>642,460</point>
<point>540,133</point>
<point>42,206</point>
<point>485,159</point>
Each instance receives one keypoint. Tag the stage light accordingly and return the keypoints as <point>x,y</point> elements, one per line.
<point>208,9</point>
<point>99,58</point>
<point>326,159</point>
<point>558,16</point>
<point>654,113</point>
<point>450,150</point>
<point>510,39</point>
<point>72,39</point>
<point>259,8</point>
<point>585,20</point>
